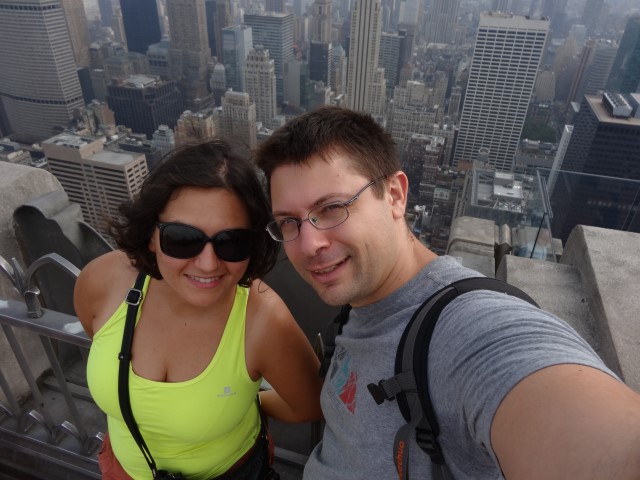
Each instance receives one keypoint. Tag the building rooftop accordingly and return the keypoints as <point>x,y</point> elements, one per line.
<point>69,140</point>
<point>603,115</point>
<point>141,81</point>
<point>119,158</point>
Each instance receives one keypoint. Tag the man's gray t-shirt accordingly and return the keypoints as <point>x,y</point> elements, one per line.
<point>483,345</point>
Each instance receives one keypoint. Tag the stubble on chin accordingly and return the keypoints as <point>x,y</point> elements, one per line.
<point>334,296</point>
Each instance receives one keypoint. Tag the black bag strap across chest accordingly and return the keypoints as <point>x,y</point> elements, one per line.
<point>410,385</point>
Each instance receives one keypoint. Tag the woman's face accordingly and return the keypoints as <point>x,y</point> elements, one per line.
<point>205,278</point>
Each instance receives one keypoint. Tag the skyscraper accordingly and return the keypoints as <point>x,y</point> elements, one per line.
<point>197,127</point>
<point>364,48</point>
<point>97,179</point>
<point>390,58</point>
<point>591,14</point>
<point>239,119</point>
<point>593,69</point>
<point>218,16</point>
<point>141,24</point>
<point>440,25</point>
<point>503,71</point>
<point>106,12</point>
<point>320,47</point>
<point>625,72</point>
<point>189,55</point>
<point>411,20</point>
<point>274,6</point>
<point>164,139</point>
<point>274,31</point>
<point>39,86</point>
<point>261,84</point>
<point>338,70</point>
<point>78,30</point>
<point>237,42</point>
<point>605,143</point>
<point>321,29</point>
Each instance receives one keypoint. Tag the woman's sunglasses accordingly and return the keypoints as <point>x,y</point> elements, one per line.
<point>182,241</point>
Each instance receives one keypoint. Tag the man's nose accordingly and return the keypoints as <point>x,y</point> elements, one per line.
<point>311,239</point>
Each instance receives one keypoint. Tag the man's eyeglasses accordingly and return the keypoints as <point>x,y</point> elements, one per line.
<point>323,217</point>
<point>182,241</point>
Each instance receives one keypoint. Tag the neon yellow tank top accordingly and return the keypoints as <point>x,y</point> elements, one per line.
<point>199,427</point>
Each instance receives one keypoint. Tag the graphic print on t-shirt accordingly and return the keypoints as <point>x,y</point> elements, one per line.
<point>344,379</point>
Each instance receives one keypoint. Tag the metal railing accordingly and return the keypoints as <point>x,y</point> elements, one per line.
<point>64,433</point>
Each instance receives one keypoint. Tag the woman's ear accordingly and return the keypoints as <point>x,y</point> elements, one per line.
<point>152,243</point>
<point>397,190</point>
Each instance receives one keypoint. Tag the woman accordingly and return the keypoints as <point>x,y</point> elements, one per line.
<point>208,328</point>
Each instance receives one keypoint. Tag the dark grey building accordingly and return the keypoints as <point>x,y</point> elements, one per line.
<point>218,17</point>
<point>142,103</point>
<point>391,58</point>
<point>320,62</point>
<point>625,71</point>
<point>605,150</point>
<point>141,24</point>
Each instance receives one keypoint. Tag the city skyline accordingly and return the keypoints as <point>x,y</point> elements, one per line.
<point>487,90</point>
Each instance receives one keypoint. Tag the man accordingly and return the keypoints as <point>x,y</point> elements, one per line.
<point>516,391</point>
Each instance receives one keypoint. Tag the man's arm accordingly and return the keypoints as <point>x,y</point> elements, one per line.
<point>568,422</point>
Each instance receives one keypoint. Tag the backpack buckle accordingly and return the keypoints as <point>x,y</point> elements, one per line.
<point>429,444</point>
<point>378,393</point>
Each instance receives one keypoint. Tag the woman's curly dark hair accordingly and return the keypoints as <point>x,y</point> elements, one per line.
<point>212,164</point>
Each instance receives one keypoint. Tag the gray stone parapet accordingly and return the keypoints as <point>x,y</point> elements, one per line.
<point>609,268</point>
<point>18,185</point>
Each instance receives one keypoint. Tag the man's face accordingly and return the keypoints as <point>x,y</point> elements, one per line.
<point>352,262</point>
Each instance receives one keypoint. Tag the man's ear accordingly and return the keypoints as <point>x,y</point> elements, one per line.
<point>397,190</point>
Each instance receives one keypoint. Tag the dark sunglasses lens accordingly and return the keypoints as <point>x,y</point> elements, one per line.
<point>181,241</point>
<point>233,245</point>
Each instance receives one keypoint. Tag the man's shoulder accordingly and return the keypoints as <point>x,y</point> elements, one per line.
<point>443,271</point>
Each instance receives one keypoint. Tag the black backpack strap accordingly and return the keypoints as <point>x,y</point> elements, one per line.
<point>328,344</point>
<point>133,299</point>
<point>410,384</point>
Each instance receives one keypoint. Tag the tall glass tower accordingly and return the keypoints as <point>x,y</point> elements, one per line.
<point>141,24</point>
<point>625,72</point>
<point>605,149</point>
<point>237,42</point>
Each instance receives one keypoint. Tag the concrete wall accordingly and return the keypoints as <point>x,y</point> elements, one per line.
<point>19,184</point>
<point>593,287</point>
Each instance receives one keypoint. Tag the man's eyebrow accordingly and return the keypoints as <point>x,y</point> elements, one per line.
<point>323,200</point>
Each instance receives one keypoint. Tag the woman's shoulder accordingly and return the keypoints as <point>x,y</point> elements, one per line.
<point>101,286</point>
<point>264,295</point>
<point>265,304</point>
<point>110,267</point>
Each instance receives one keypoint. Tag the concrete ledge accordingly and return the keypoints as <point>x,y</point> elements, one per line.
<point>609,268</point>
<point>557,289</point>
<point>473,241</point>
<point>18,185</point>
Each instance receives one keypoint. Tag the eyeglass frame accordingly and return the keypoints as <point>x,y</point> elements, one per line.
<point>299,221</point>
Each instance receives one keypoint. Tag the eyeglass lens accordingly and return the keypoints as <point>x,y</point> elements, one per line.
<point>323,217</point>
<point>182,241</point>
